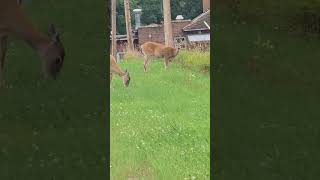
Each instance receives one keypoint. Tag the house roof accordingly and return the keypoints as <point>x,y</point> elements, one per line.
<point>198,22</point>
<point>161,24</point>
<point>151,25</point>
<point>123,37</point>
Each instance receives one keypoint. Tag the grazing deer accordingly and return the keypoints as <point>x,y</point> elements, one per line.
<point>13,21</point>
<point>114,68</point>
<point>157,50</point>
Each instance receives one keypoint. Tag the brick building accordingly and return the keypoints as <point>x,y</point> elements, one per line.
<point>155,32</point>
<point>197,33</point>
<point>122,43</point>
<point>186,33</point>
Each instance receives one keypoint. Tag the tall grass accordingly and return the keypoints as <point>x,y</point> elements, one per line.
<point>132,54</point>
<point>194,59</point>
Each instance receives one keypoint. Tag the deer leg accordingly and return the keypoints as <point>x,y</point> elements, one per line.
<point>110,77</point>
<point>3,51</point>
<point>146,63</point>
<point>166,63</point>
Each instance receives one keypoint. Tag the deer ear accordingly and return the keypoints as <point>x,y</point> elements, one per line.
<point>52,29</point>
<point>54,35</point>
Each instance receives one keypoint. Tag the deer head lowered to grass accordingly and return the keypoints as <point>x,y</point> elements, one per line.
<point>13,21</point>
<point>115,69</point>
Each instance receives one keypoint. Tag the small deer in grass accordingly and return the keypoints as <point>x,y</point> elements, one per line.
<point>115,69</point>
<point>157,50</point>
<point>13,21</point>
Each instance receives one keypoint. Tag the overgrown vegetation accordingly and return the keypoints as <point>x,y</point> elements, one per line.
<point>194,59</point>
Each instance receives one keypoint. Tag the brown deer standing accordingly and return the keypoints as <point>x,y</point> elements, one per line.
<point>157,50</point>
<point>115,69</point>
<point>13,21</point>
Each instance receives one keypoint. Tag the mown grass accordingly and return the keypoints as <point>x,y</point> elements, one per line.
<point>160,123</point>
<point>57,129</point>
<point>266,98</point>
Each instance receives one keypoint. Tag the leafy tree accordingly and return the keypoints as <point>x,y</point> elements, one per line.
<point>187,8</point>
<point>152,11</point>
<point>121,22</point>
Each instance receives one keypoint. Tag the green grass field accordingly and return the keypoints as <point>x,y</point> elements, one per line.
<point>266,97</point>
<point>160,123</point>
<point>57,129</point>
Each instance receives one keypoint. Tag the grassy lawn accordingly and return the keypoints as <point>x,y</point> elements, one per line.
<point>160,123</point>
<point>266,104</point>
<point>57,129</point>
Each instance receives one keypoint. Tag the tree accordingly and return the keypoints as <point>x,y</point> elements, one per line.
<point>187,8</point>
<point>121,22</point>
<point>128,24</point>
<point>167,23</point>
<point>152,11</point>
<point>113,27</point>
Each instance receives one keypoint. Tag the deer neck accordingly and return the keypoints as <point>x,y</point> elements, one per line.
<point>36,40</point>
<point>114,68</point>
<point>120,73</point>
<point>24,29</point>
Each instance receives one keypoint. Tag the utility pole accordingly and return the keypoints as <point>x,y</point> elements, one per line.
<point>205,5</point>
<point>167,23</point>
<point>113,28</point>
<point>128,24</point>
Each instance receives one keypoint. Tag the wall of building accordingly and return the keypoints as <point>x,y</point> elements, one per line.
<point>156,34</point>
<point>178,26</point>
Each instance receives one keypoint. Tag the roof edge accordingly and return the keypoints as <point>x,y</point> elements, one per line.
<point>196,18</point>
